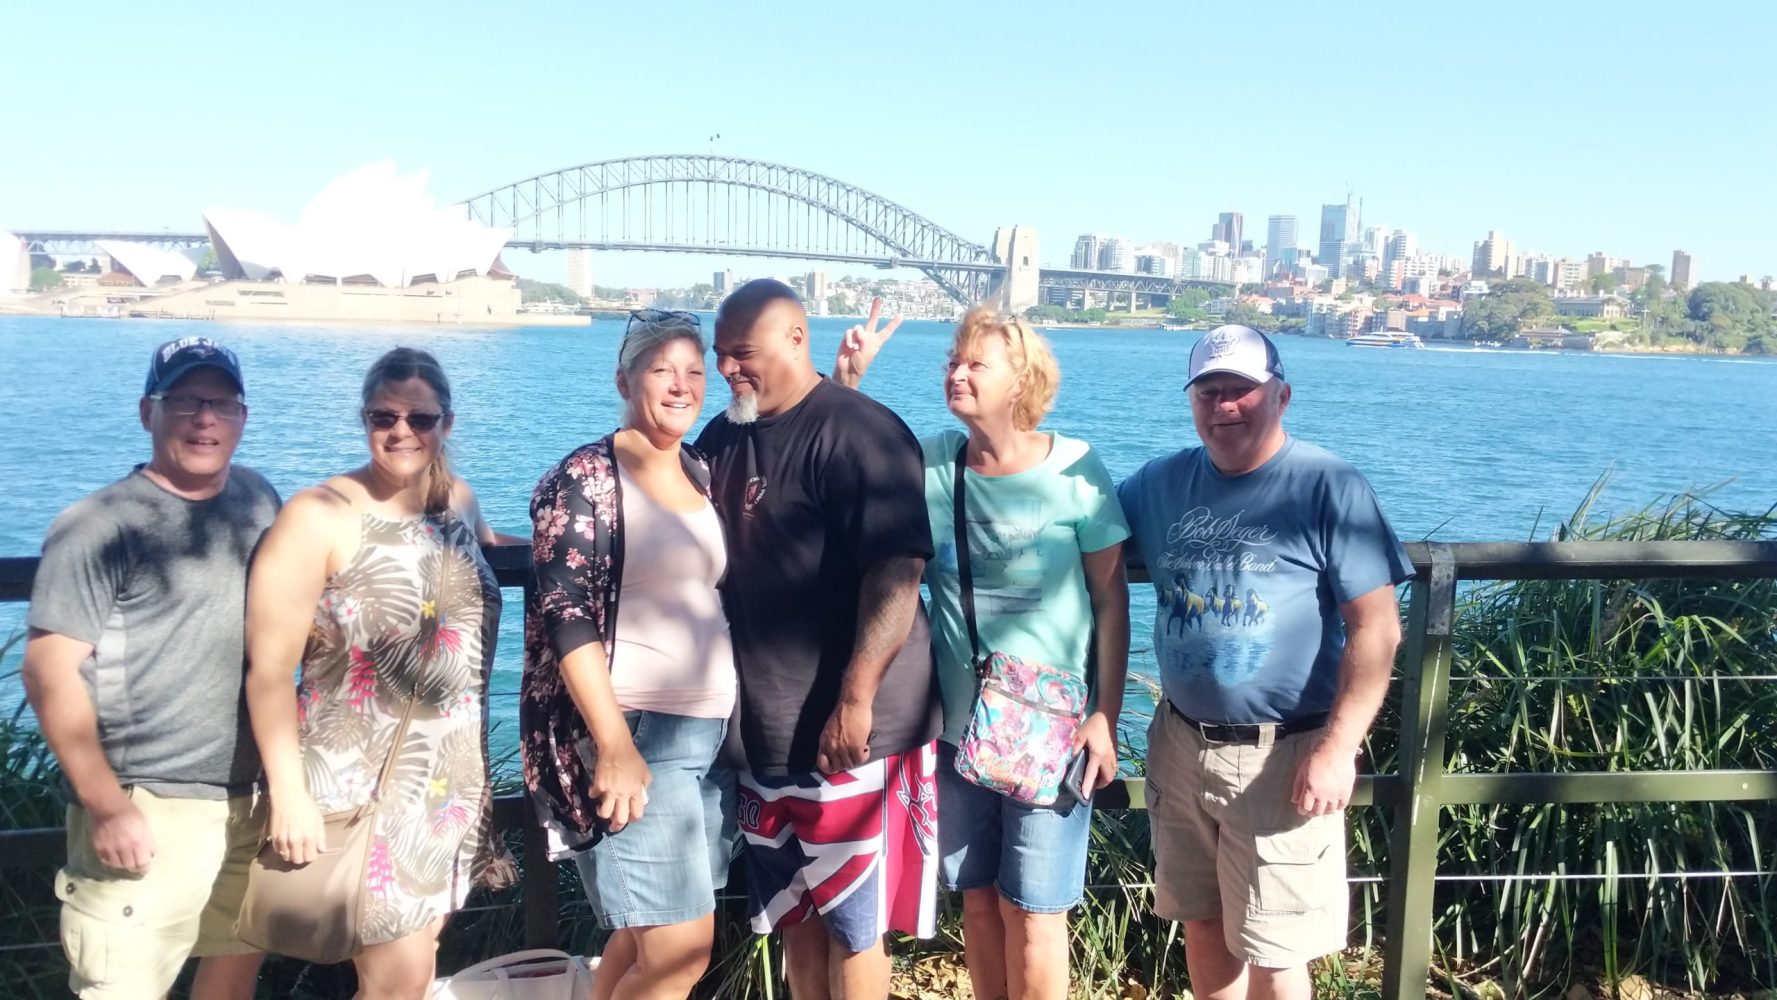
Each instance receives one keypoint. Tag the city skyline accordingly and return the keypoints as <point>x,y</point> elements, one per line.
<point>1460,167</point>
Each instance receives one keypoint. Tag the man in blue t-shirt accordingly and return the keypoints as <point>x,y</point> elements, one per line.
<point>1275,632</point>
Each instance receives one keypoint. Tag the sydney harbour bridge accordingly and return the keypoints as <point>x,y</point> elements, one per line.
<point>729,206</point>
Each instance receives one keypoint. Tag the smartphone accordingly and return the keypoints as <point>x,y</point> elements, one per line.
<point>1075,782</point>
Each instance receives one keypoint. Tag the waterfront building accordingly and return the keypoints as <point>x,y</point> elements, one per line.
<point>370,227</point>
<point>1086,249</point>
<point>1154,263</point>
<point>814,292</point>
<point>1280,238</point>
<point>580,272</point>
<point>15,265</point>
<point>1339,227</point>
<point>1599,263</point>
<point>148,266</point>
<point>371,246</point>
<point>1630,278</point>
<point>1396,251</point>
<point>723,281</point>
<point>1492,257</point>
<point>1227,229</point>
<point>1114,255</point>
<point>1680,277</point>
<point>1590,306</point>
<point>1247,269</point>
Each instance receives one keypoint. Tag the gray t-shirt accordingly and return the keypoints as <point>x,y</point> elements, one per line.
<point>158,585</point>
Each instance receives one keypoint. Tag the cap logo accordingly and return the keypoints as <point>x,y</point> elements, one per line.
<point>202,345</point>
<point>1222,343</point>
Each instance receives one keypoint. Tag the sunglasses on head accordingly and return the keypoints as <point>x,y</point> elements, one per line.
<point>384,420</point>
<point>662,317</point>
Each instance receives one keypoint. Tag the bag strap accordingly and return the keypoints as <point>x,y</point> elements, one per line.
<point>959,508</point>
<point>382,779</point>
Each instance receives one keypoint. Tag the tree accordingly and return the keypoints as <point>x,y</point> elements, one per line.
<point>1728,316</point>
<point>44,278</point>
<point>1603,283</point>
<point>1188,305</point>
<point>545,291</point>
<point>837,305</point>
<point>1243,314</point>
<point>1506,309</point>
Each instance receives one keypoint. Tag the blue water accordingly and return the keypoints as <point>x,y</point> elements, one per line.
<point>1459,444</point>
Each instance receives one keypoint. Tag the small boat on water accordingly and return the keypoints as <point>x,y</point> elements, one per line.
<point>1391,338</point>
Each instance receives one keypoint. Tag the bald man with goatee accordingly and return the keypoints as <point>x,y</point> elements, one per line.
<point>822,497</point>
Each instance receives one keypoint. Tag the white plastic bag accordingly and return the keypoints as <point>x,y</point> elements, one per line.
<point>536,974</point>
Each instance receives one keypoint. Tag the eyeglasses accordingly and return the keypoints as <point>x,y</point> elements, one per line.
<point>182,405</point>
<point>662,317</point>
<point>419,423</point>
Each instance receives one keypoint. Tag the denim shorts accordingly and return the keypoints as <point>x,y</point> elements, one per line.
<point>1035,855</point>
<point>665,868</point>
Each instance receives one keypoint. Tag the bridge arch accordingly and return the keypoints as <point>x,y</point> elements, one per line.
<point>692,202</point>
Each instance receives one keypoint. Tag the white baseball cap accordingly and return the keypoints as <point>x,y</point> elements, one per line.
<point>1238,350</point>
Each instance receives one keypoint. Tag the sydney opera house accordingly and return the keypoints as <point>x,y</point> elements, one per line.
<point>372,246</point>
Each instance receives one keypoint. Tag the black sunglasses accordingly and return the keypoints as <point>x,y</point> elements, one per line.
<point>384,420</point>
<point>662,317</point>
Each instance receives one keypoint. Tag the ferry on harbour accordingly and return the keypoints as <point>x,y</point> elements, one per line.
<point>1391,338</point>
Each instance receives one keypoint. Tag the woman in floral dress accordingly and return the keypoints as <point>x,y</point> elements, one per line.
<point>374,584</point>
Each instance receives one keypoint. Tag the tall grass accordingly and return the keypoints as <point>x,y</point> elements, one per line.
<point>1620,676</point>
<point>1551,676</point>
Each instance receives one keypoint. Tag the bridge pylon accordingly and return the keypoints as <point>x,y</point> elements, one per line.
<point>1015,288</point>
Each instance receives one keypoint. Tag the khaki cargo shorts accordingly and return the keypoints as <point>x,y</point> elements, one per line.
<point>127,935</point>
<point>1229,844</point>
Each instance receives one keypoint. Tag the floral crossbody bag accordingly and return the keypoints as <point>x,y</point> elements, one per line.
<point>1020,734</point>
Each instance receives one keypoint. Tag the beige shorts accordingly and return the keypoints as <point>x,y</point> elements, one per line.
<point>1229,844</point>
<point>127,935</point>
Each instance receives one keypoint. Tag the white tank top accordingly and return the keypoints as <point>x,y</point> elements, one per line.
<point>672,652</point>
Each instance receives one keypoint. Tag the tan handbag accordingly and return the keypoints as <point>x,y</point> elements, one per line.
<point>314,912</point>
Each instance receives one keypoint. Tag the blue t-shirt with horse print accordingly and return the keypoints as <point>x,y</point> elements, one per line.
<point>1249,573</point>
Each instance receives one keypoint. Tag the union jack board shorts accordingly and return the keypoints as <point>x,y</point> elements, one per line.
<point>858,848</point>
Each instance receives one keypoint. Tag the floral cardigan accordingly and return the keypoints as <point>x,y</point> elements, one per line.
<point>577,553</point>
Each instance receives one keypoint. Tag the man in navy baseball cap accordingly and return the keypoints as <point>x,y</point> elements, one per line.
<point>175,359</point>
<point>134,665</point>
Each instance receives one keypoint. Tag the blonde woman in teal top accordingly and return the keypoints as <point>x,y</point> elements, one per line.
<point>1045,535</point>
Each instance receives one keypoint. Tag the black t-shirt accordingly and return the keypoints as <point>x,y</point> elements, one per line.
<point>810,500</point>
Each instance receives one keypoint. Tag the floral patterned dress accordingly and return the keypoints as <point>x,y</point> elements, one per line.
<point>413,615</point>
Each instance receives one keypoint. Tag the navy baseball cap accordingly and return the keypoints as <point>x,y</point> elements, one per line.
<point>175,359</point>
<point>1238,350</point>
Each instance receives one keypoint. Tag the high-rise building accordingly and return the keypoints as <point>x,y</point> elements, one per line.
<point>1680,278</point>
<point>815,292</point>
<point>1492,257</point>
<point>1113,254</point>
<point>1086,252</point>
<point>1339,228</point>
<point>580,272</point>
<point>1598,262</point>
<point>724,282</point>
<point>1227,229</point>
<point>1280,235</point>
<point>1153,263</point>
<point>1399,248</point>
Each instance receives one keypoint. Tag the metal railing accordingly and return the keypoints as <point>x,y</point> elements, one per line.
<point>1416,793</point>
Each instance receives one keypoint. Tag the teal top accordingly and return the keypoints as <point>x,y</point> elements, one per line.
<point>1026,533</point>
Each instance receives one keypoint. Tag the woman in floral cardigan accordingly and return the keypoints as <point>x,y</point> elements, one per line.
<point>624,715</point>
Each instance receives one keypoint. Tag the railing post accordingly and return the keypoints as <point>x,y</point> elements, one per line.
<point>542,909</point>
<point>1413,841</point>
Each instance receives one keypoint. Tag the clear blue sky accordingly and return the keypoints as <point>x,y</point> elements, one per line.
<point>1632,128</point>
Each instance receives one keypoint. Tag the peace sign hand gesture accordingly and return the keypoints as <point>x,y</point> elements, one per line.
<point>859,346</point>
